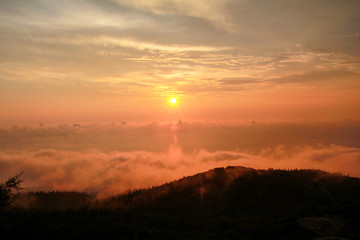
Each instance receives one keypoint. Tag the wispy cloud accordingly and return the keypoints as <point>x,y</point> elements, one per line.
<point>213,11</point>
<point>94,49</point>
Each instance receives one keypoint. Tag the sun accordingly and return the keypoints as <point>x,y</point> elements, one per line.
<point>173,100</point>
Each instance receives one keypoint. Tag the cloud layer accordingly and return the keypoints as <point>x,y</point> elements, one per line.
<point>65,158</point>
<point>115,172</point>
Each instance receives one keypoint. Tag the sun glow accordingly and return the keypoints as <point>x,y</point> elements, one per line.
<point>173,100</point>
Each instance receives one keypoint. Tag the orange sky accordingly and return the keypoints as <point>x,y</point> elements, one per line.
<point>117,63</point>
<point>90,60</point>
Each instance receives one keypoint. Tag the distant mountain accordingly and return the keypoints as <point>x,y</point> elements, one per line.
<point>223,203</point>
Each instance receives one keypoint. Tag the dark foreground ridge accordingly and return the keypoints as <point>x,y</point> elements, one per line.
<point>223,203</point>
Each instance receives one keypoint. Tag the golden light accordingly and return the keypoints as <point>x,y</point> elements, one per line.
<point>173,100</point>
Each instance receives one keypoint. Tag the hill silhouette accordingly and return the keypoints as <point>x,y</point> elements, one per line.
<point>222,203</point>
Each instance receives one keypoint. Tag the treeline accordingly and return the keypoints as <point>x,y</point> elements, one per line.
<point>223,203</point>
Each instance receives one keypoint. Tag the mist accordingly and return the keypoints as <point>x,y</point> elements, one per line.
<point>108,159</point>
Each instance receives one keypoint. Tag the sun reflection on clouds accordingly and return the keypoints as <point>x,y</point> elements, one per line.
<point>129,155</point>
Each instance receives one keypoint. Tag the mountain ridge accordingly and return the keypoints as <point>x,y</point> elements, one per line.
<point>223,203</point>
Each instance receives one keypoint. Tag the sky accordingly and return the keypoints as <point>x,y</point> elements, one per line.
<point>254,79</point>
<point>121,60</point>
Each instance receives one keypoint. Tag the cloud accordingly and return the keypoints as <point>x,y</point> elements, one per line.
<point>157,137</point>
<point>332,158</point>
<point>107,173</point>
<point>213,11</point>
<point>169,46</point>
<point>112,42</point>
<point>237,81</point>
<point>113,158</point>
<point>327,78</point>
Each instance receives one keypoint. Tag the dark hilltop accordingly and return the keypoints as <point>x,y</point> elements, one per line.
<point>222,203</point>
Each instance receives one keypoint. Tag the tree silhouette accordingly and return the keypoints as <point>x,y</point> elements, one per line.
<point>7,189</point>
